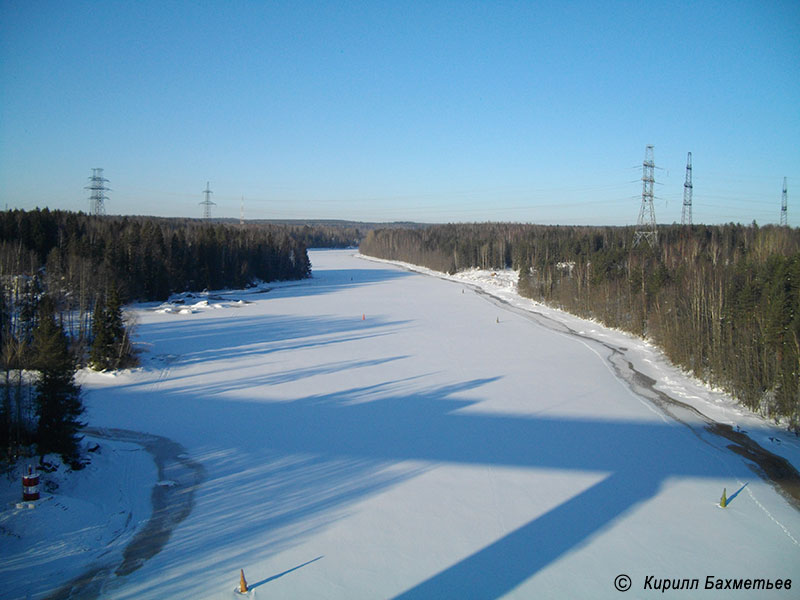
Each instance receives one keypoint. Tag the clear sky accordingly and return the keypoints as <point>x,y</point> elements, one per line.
<point>383,111</point>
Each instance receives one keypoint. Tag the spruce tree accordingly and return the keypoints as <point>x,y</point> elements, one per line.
<point>101,342</point>
<point>115,324</point>
<point>57,396</point>
<point>111,347</point>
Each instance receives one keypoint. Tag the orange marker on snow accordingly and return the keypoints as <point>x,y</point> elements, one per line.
<point>242,582</point>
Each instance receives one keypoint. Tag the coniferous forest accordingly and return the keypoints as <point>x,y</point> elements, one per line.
<point>723,302</point>
<point>63,279</point>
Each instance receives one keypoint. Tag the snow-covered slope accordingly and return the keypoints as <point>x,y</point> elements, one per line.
<point>379,433</point>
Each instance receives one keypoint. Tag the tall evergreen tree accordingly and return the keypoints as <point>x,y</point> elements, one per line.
<point>111,348</point>
<point>57,397</point>
<point>102,338</point>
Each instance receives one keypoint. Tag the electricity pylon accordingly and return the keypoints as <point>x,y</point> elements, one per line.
<point>646,225</point>
<point>97,185</point>
<point>784,219</point>
<point>207,203</point>
<point>686,215</point>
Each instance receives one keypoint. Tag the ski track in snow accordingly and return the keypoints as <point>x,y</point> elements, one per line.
<point>769,514</point>
<point>642,387</point>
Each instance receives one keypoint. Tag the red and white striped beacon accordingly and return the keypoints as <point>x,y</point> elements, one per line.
<point>30,485</point>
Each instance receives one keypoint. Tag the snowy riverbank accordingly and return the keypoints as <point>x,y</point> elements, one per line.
<point>376,433</point>
<point>644,356</point>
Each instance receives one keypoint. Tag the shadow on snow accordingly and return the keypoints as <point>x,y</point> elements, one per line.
<point>331,280</point>
<point>221,338</point>
<point>278,471</point>
<point>327,451</point>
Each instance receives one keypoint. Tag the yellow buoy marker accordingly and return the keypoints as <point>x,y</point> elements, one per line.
<point>723,502</point>
<point>242,582</point>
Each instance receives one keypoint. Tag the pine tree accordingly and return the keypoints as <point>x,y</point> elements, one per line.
<point>57,397</point>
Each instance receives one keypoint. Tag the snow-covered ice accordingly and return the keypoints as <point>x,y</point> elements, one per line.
<point>379,433</point>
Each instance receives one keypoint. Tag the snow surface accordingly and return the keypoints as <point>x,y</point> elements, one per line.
<point>375,432</point>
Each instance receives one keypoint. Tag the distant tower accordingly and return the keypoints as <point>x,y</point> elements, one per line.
<point>686,215</point>
<point>646,226</point>
<point>784,220</point>
<point>207,203</point>
<point>241,213</point>
<point>97,185</point>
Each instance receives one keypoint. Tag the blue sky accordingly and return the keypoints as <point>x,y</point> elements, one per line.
<point>383,111</point>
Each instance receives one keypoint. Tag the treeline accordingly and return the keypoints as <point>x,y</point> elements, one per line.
<point>313,233</point>
<point>326,235</point>
<point>67,274</point>
<point>146,258</point>
<point>722,302</point>
<point>332,233</point>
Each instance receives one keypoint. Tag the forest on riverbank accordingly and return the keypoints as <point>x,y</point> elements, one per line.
<point>63,279</point>
<point>723,302</point>
<point>147,258</point>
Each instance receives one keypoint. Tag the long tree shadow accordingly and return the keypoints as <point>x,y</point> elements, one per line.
<point>374,426</point>
<point>223,337</point>
<point>333,280</point>
<point>296,464</point>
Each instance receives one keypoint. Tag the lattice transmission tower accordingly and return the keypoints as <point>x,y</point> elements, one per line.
<point>784,202</point>
<point>207,203</point>
<point>646,225</point>
<point>97,185</point>
<point>686,215</point>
